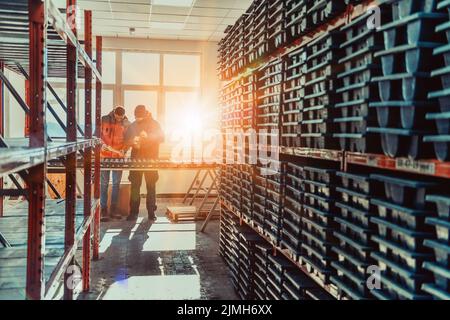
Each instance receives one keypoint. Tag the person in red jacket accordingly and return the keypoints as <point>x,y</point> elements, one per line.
<point>114,126</point>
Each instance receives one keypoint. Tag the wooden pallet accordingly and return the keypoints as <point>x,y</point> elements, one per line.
<point>186,213</point>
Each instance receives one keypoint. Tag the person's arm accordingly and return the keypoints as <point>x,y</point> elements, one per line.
<point>126,134</point>
<point>129,137</point>
<point>157,135</point>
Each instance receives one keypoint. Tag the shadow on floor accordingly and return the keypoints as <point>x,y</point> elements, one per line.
<point>159,261</point>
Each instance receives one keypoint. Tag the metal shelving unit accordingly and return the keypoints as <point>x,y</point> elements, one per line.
<point>37,42</point>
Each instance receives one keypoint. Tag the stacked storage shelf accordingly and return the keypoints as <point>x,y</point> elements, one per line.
<point>247,190</point>
<point>247,241</point>
<point>235,256</point>
<point>248,84</point>
<point>261,30</point>
<point>268,182</point>
<point>353,233</point>
<point>441,140</point>
<point>236,187</point>
<point>439,266</point>
<point>321,11</point>
<point>249,35</point>
<point>274,203</point>
<point>277,25</point>
<point>231,119</point>
<point>296,16</point>
<point>363,119</point>
<point>293,91</point>
<point>222,59</point>
<point>317,112</point>
<point>236,105</point>
<point>400,213</point>
<point>407,60</point>
<point>353,115</point>
<point>276,268</point>
<point>262,252</point>
<point>292,209</point>
<point>239,57</point>
<point>259,198</point>
<point>225,50</point>
<point>296,284</point>
<point>226,182</point>
<point>269,91</point>
<point>317,221</point>
<point>227,222</point>
<point>258,274</point>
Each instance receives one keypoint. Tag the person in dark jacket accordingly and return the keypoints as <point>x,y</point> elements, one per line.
<point>144,137</point>
<point>114,126</point>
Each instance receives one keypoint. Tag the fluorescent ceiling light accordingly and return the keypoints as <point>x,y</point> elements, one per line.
<point>173,3</point>
<point>167,25</point>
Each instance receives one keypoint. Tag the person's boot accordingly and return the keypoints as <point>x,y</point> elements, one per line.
<point>132,217</point>
<point>114,213</point>
<point>152,217</point>
<point>105,215</point>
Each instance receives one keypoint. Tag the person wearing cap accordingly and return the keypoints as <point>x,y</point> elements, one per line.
<point>114,126</point>
<point>144,137</point>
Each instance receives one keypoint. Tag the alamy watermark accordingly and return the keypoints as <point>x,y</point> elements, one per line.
<point>374,19</point>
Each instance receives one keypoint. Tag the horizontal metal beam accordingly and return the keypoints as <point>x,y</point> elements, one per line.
<point>59,24</point>
<point>13,192</point>
<point>4,241</point>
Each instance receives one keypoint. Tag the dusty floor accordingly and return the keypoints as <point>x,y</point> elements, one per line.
<point>159,261</point>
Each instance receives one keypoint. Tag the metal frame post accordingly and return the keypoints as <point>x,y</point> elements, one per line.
<point>27,115</point>
<point>2,130</point>
<point>98,126</point>
<point>35,286</point>
<point>88,153</point>
<point>71,161</point>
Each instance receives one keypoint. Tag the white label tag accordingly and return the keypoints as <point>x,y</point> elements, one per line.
<point>416,166</point>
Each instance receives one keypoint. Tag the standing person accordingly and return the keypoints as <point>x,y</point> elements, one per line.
<point>114,126</point>
<point>144,136</point>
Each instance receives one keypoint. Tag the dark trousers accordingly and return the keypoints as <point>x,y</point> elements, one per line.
<point>151,177</point>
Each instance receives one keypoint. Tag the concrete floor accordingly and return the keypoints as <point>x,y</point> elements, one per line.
<point>160,261</point>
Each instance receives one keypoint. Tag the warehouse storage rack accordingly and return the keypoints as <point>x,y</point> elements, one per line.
<point>40,236</point>
<point>361,184</point>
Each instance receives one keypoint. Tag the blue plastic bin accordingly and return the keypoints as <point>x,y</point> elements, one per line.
<point>442,204</point>
<point>403,143</point>
<point>441,252</point>
<point>405,192</point>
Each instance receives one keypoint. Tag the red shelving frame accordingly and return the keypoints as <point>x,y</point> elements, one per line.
<point>34,157</point>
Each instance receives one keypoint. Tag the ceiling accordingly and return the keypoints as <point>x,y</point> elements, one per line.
<point>203,20</point>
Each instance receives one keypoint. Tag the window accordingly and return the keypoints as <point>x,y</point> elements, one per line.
<point>140,68</point>
<point>108,67</point>
<point>182,111</point>
<point>147,98</point>
<point>53,127</point>
<point>182,70</point>
<point>107,105</point>
<point>14,113</point>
